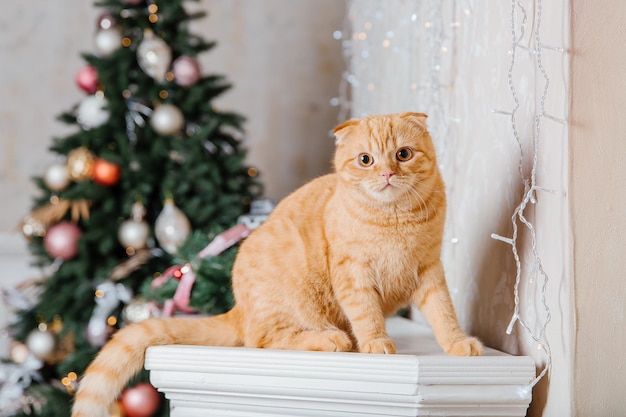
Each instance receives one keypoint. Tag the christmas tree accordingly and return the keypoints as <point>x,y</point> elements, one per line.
<point>152,173</point>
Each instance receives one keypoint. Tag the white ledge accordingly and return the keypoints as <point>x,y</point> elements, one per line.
<point>202,381</point>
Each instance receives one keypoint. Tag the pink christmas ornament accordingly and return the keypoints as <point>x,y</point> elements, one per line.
<point>61,240</point>
<point>87,79</point>
<point>186,71</point>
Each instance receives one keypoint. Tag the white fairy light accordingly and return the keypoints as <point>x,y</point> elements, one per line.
<point>517,34</point>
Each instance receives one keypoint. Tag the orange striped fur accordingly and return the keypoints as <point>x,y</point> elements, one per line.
<point>331,262</point>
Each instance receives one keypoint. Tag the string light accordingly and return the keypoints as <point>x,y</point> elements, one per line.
<point>530,184</point>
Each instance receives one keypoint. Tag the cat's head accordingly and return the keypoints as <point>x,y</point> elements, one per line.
<point>387,157</point>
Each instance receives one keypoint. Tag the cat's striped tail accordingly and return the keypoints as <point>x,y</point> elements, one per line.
<point>123,356</point>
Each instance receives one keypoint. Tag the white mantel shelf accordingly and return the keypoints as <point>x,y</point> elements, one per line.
<point>419,381</point>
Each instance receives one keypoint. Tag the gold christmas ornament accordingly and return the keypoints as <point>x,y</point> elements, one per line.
<point>31,227</point>
<point>80,209</point>
<point>38,221</point>
<point>80,164</point>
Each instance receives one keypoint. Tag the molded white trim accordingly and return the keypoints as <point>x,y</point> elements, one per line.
<point>420,380</point>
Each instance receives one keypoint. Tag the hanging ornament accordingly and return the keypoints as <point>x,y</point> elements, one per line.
<point>32,227</point>
<point>171,227</point>
<point>142,400</point>
<point>87,79</point>
<point>138,310</point>
<point>57,177</point>
<point>186,71</point>
<point>19,353</point>
<point>134,233</point>
<point>92,111</point>
<point>107,41</point>
<point>41,343</point>
<point>167,119</point>
<point>61,240</point>
<point>154,55</point>
<point>106,21</point>
<point>104,172</point>
<point>80,164</point>
<point>108,297</point>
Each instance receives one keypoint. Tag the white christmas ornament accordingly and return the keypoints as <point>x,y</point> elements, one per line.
<point>107,41</point>
<point>171,227</point>
<point>92,111</point>
<point>154,56</point>
<point>57,177</point>
<point>139,310</point>
<point>41,343</point>
<point>167,119</point>
<point>133,233</point>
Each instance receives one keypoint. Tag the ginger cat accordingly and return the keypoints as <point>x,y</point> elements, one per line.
<point>330,263</point>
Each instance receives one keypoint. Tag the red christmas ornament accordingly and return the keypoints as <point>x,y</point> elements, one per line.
<point>142,400</point>
<point>87,79</point>
<point>61,240</point>
<point>104,172</point>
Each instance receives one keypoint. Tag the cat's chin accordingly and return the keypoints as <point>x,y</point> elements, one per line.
<point>388,194</point>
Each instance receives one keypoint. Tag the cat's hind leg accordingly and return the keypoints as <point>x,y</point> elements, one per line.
<point>329,340</point>
<point>297,338</point>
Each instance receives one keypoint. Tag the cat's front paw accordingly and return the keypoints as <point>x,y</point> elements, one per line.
<point>380,345</point>
<point>469,346</point>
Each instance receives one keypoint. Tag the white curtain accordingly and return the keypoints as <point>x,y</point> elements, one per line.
<point>453,61</point>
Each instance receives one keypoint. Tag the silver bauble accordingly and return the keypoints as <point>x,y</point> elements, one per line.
<point>134,234</point>
<point>171,227</point>
<point>154,55</point>
<point>167,119</point>
<point>138,310</point>
<point>41,343</point>
<point>57,177</point>
<point>107,41</point>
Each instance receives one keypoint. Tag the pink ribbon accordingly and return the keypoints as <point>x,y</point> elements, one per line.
<point>182,295</point>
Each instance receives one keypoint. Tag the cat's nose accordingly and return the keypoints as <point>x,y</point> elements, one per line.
<point>388,174</point>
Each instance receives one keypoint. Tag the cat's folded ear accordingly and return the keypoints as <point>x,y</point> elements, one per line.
<point>343,129</point>
<point>420,118</point>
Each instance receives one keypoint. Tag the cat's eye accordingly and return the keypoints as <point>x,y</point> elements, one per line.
<point>365,159</point>
<point>404,154</point>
